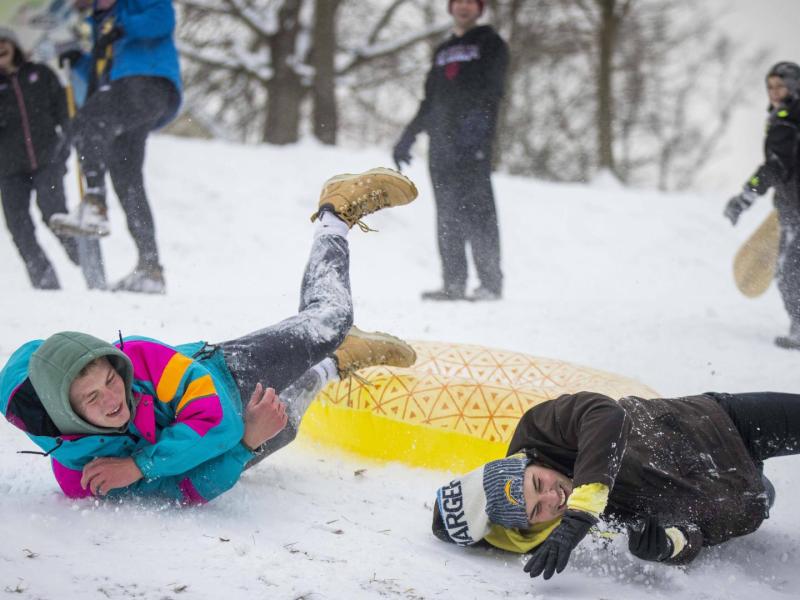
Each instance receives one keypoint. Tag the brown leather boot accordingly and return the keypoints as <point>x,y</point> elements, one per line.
<point>362,349</point>
<point>351,196</point>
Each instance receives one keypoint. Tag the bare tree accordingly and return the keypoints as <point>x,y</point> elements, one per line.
<point>326,113</point>
<point>256,63</point>
<point>641,88</point>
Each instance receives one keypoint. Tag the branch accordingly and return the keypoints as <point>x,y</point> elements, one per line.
<point>252,20</point>
<point>220,61</point>
<point>368,54</point>
<point>384,21</point>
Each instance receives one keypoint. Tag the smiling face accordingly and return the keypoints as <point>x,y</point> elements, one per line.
<point>776,90</point>
<point>465,13</point>
<point>98,395</point>
<point>6,56</point>
<point>546,493</point>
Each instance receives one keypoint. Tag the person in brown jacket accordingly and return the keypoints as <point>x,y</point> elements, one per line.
<point>678,474</point>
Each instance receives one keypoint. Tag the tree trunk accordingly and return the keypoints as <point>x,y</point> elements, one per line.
<point>326,116</point>
<point>285,90</point>
<point>606,33</point>
<point>504,135</point>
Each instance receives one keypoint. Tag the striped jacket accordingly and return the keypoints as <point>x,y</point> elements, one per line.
<point>184,435</point>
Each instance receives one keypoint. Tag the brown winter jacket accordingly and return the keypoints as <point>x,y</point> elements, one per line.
<point>681,459</point>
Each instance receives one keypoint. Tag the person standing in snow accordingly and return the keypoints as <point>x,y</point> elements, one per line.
<point>33,117</point>
<point>140,417</point>
<point>134,87</point>
<point>463,91</point>
<point>679,474</point>
<point>781,170</point>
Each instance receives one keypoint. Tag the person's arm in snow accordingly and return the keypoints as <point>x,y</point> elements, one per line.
<point>596,428</point>
<point>58,99</point>
<point>265,417</point>
<point>670,544</point>
<point>479,124</point>
<point>154,19</point>
<point>402,149</point>
<point>592,425</point>
<point>200,485</point>
<point>780,149</point>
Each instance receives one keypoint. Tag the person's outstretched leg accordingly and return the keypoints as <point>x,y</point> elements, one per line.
<point>769,422</point>
<point>359,350</point>
<point>128,104</point>
<point>280,355</point>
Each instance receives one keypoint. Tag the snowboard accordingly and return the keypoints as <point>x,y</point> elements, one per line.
<point>755,262</point>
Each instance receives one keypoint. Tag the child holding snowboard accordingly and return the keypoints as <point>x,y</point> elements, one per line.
<point>780,171</point>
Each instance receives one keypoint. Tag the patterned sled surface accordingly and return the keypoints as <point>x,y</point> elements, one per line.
<point>457,407</point>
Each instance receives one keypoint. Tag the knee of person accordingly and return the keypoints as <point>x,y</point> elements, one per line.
<point>341,322</point>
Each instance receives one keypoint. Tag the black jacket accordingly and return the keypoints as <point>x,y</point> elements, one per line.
<point>33,108</point>
<point>463,90</point>
<point>781,167</point>
<point>681,460</point>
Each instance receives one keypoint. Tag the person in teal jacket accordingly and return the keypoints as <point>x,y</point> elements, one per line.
<point>146,418</point>
<point>134,87</point>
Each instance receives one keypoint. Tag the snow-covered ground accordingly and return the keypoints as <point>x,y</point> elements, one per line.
<point>637,283</point>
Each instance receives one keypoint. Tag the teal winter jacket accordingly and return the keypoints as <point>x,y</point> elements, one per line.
<point>184,434</point>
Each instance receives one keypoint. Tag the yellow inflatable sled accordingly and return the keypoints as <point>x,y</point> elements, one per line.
<point>455,409</point>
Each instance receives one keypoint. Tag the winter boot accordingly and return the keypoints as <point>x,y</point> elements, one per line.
<point>143,280</point>
<point>353,196</point>
<point>89,218</point>
<point>362,349</point>
<point>446,294</point>
<point>791,341</point>
<point>484,294</point>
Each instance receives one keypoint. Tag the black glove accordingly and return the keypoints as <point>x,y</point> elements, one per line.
<point>402,150</point>
<point>105,40</point>
<point>553,554</point>
<point>739,203</point>
<point>648,540</point>
<point>70,56</point>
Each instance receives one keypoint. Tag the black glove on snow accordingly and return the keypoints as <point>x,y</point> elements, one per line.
<point>402,150</point>
<point>105,40</point>
<point>553,554</point>
<point>648,540</point>
<point>738,204</point>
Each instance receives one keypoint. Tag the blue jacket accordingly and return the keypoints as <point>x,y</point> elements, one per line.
<point>147,47</point>
<point>184,435</point>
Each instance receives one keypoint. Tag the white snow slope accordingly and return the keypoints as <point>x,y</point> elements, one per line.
<point>634,282</point>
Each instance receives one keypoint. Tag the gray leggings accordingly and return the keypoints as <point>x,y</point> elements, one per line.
<point>281,355</point>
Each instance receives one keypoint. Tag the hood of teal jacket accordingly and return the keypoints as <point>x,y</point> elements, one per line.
<point>56,364</point>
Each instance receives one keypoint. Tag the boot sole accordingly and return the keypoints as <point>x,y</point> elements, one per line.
<point>407,190</point>
<point>68,230</point>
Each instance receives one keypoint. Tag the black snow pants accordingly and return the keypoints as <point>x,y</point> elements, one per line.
<point>769,423</point>
<point>466,216</point>
<point>787,201</point>
<point>15,193</point>
<point>110,133</point>
<point>281,355</point>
